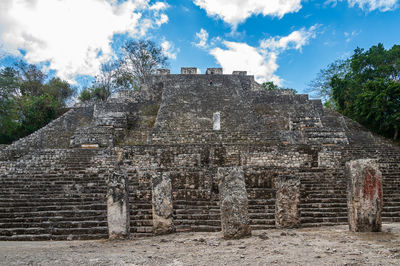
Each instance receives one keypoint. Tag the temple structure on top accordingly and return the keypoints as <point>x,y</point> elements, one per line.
<point>159,157</point>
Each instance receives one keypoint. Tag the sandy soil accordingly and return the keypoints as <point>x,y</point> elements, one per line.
<point>308,246</point>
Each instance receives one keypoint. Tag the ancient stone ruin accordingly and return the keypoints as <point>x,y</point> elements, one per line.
<point>196,152</point>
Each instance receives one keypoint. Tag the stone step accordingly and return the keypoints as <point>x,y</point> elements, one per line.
<point>270,221</point>
<point>142,229</point>
<point>42,237</point>
<point>62,213</point>
<point>323,209</point>
<point>320,221</point>
<point>324,200</point>
<point>262,226</point>
<point>57,224</point>
<point>197,217</point>
<point>195,222</point>
<point>54,231</point>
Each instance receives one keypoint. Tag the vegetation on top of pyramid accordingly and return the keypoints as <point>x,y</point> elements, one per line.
<point>138,60</point>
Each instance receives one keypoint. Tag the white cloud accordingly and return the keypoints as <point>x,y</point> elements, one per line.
<point>237,11</point>
<point>162,20</point>
<point>202,37</point>
<point>261,61</point>
<point>74,36</point>
<point>350,35</point>
<point>169,50</point>
<point>243,57</point>
<point>369,5</point>
<point>294,40</point>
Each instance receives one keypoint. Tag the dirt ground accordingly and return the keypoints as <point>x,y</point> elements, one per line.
<point>307,246</point>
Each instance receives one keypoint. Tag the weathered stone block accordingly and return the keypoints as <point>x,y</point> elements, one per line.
<point>217,121</point>
<point>364,195</point>
<point>240,73</point>
<point>117,205</point>
<point>234,203</point>
<point>189,70</point>
<point>163,71</point>
<point>287,211</point>
<point>214,71</point>
<point>162,203</point>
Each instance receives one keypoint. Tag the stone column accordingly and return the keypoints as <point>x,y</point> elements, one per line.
<point>162,204</point>
<point>117,205</point>
<point>364,195</point>
<point>287,211</point>
<point>233,202</point>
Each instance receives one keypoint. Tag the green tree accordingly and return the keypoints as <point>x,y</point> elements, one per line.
<point>9,83</point>
<point>269,85</point>
<point>368,90</point>
<point>60,90</point>
<point>32,79</point>
<point>321,85</point>
<point>140,59</point>
<point>28,102</point>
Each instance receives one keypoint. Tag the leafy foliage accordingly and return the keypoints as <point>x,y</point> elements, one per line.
<point>27,102</point>
<point>140,59</point>
<point>367,88</point>
<point>269,85</point>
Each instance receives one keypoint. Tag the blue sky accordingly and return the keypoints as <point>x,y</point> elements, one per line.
<point>287,42</point>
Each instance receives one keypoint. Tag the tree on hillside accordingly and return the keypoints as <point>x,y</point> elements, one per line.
<point>368,90</point>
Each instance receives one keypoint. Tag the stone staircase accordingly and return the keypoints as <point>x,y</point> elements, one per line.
<point>323,198</point>
<point>197,215</point>
<point>50,200</point>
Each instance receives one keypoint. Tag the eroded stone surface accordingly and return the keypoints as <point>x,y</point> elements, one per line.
<point>287,211</point>
<point>162,203</point>
<point>364,195</point>
<point>234,203</point>
<point>117,205</point>
<point>217,121</point>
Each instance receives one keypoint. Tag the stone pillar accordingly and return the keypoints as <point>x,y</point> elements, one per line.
<point>233,202</point>
<point>117,205</point>
<point>364,195</point>
<point>162,204</point>
<point>287,211</point>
